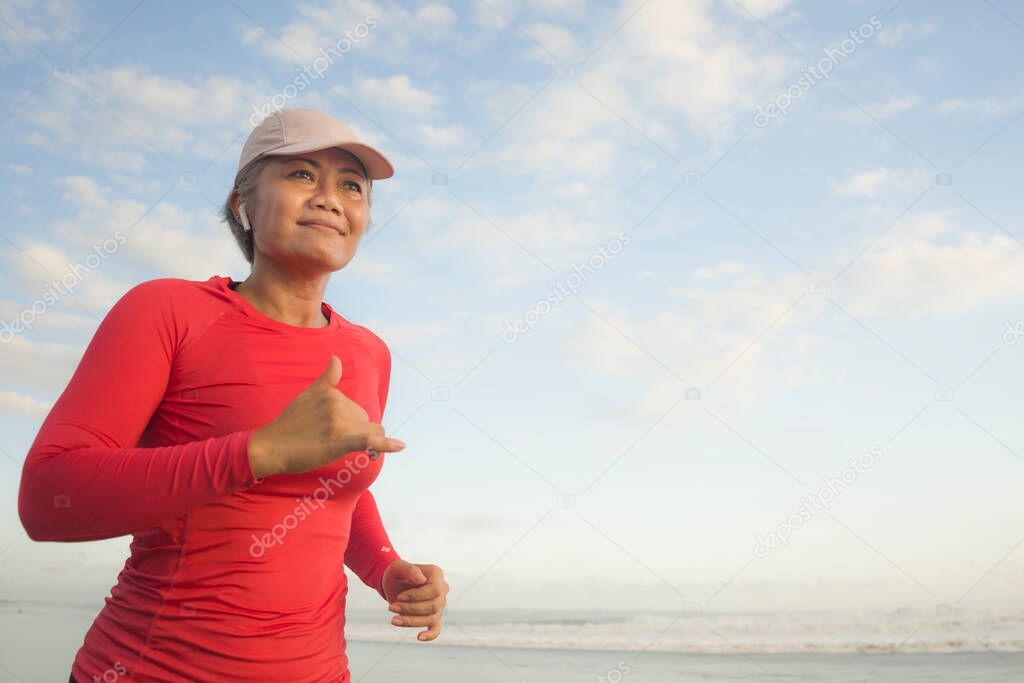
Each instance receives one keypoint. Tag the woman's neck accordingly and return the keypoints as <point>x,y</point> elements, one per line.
<point>297,302</point>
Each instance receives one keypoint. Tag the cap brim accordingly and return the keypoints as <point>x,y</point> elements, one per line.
<point>377,165</point>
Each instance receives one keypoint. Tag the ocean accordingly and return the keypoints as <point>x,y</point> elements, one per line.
<point>537,646</point>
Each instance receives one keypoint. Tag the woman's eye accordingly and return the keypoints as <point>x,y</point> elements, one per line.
<point>351,183</point>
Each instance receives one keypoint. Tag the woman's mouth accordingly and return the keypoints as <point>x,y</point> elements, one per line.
<point>325,228</point>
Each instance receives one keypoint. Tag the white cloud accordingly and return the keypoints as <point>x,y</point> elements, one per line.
<point>255,34</point>
<point>64,318</point>
<point>911,271</point>
<point>494,14</point>
<point>44,366</point>
<point>409,335</point>
<point>508,279</point>
<point>30,23</point>
<point>699,334</point>
<point>319,27</point>
<point>499,98</point>
<point>926,265</point>
<point>351,26</point>
<point>446,137</point>
<point>574,8</point>
<point>369,268</point>
<point>865,184</point>
<point>20,169</point>
<point>501,244</point>
<point>13,402</point>
<point>690,64</point>
<point>183,243</point>
<point>83,191</point>
<point>141,116</point>
<point>555,135</point>
<point>572,190</point>
<point>988,106</point>
<point>765,8</point>
<point>560,157</point>
<point>893,34</point>
<point>722,268</point>
<point>671,71</point>
<point>435,15</point>
<point>397,93</point>
<point>879,110</point>
<point>164,239</point>
<point>556,39</point>
<point>504,242</point>
<point>896,106</point>
<point>35,265</point>
<point>881,180</point>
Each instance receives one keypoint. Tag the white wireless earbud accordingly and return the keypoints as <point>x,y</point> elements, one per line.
<point>244,220</point>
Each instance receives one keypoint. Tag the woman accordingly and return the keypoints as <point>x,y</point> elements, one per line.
<point>233,428</point>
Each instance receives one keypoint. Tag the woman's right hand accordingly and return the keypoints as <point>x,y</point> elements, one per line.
<point>319,426</point>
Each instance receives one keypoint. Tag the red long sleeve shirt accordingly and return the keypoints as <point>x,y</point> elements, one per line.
<point>231,578</point>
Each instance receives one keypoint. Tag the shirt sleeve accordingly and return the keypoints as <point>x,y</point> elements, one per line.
<point>84,478</point>
<point>369,550</point>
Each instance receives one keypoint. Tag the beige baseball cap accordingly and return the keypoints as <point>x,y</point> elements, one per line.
<point>295,130</point>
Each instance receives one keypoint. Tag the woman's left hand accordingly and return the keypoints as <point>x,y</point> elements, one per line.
<point>417,593</point>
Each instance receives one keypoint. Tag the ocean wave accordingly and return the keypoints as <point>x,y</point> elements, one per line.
<point>908,631</point>
<point>903,630</point>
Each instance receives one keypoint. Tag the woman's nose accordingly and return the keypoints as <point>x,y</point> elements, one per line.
<point>327,201</point>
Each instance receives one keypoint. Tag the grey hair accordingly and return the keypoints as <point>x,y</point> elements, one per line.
<point>246,182</point>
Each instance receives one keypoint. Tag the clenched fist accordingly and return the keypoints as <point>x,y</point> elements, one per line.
<point>319,426</point>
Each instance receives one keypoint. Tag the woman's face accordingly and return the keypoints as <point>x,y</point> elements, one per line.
<point>297,192</point>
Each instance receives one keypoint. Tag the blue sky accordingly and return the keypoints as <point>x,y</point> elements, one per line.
<point>796,289</point>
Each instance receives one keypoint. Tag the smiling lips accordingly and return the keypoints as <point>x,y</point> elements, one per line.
<point>323,226</point>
